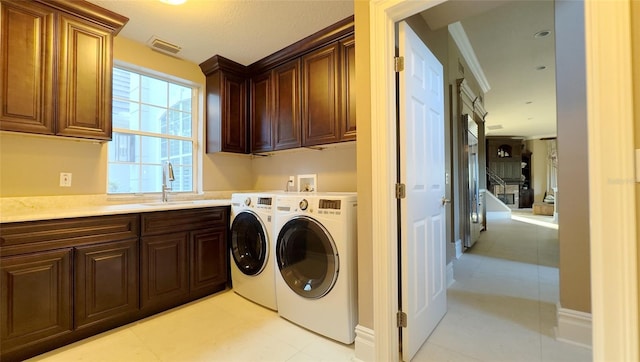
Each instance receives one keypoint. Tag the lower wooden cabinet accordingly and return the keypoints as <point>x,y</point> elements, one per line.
<point>208,261</point>
<point>187,263</point>
<point>106,282</point>
<point>164,276</point>
<point>66,279</point>
<point>35,298</point>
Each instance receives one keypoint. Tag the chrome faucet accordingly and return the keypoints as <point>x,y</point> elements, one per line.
<point>167,169</point>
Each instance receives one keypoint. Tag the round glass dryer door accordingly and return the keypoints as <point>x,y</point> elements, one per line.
<point>307,257</point>
<point>249,245</point>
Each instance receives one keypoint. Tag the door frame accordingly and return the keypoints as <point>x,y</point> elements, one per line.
<point>614,271</point>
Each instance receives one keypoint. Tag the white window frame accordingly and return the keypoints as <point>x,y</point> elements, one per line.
<point>197,127</point>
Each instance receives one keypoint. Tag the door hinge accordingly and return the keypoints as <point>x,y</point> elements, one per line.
<point>400,191</point>
<point>402,319</point>
<point>398,64</point>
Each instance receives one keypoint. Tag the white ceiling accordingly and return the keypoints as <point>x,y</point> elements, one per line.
<point>500,32</point>
<point>241,30</point>
<point>510,55</point>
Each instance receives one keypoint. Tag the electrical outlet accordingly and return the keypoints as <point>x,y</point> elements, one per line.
<point>65,179</point>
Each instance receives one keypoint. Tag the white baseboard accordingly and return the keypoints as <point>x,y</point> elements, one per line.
<point>450,279</point>
<point>574,327</point>
<point>458,245</point>
<point>365,344</point>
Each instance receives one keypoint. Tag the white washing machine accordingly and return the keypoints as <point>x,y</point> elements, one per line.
<point>316,270</point>
<point>252,246</point>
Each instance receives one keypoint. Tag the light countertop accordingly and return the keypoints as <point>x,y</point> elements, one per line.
<point>60,207</point>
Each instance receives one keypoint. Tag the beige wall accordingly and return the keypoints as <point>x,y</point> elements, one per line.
<point>538,166</point>
<point>635,43</point>
<point>335,167</point>
<point>573,192</point>
<point>30,165</point>
<point>363,164</point>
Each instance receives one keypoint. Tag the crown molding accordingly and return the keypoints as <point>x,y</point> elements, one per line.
<point>462,41</point>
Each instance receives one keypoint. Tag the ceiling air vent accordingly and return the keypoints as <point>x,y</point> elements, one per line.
<point>163,46</point>
<point>495,127</point>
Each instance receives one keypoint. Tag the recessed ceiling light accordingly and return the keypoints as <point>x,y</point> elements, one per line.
<point>173,2</point>
<point>541,67</point>
<point>542,34</point>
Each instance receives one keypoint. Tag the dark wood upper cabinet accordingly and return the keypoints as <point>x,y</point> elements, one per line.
<point>84,80</point>
<point>226,102</point>
<point>302,95</point>
<point>348,89</point>
<point>260,111</point>
<point>286,105</point>
<point>26,67</point>
<point>55,66</point>
<point>320,96</point>
<point>275,108</point>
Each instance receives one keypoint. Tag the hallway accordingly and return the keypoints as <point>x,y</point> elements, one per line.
<point>502,304</point>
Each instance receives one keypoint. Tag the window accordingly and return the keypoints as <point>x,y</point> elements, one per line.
<point>154,122</point>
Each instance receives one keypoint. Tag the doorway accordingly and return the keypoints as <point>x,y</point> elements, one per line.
<point>382,15</point>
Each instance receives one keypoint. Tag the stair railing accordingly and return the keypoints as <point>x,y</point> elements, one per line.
<point>495,179</point>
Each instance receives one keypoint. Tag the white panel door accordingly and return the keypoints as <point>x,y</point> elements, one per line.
<point>422,170</point>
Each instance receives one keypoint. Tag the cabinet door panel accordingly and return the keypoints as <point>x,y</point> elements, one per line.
<point>106,281</point>
<point>84,79</point>
<point>26,64</point>
<point>348,96</point>
<point>320,97</point>
<point>286,109</point>
<point>164,274</point>
<point>261,128</point>
<point>35,298</point>
<point>208,256</point>
<point>234,129</point>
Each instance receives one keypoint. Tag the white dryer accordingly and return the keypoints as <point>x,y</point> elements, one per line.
<point>316,273</point>
<point>252,246</point>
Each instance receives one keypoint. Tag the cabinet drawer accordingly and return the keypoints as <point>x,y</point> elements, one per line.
<point>163,222</point>
<point>32,236</point>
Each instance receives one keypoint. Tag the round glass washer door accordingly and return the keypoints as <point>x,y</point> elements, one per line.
<point>307,257</point>
<point>249,245</point>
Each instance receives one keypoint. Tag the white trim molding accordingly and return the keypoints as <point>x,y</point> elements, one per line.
<point>382,29</point>
<point>365,344</point>
<point>450,279</point>
<point>458,245</point>
<point>462,41</point>
<point>612,209</point>
<point>574,327</point>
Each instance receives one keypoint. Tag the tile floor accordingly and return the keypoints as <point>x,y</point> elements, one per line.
<point>501,308</point>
